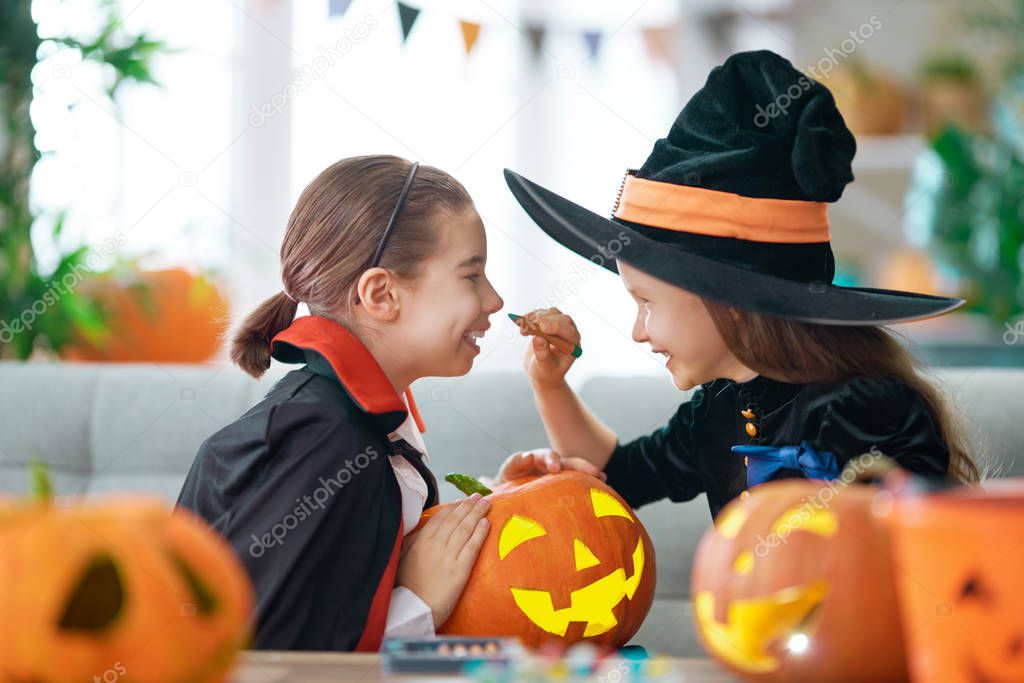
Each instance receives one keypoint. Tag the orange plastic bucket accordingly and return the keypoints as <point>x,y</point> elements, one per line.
<point>960,581</point>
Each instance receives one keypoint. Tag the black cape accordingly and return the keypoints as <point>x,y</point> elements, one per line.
<point>302,488</point>
<point>692,453</point>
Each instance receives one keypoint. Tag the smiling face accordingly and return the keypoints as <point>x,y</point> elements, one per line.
<point>993,652</point>
<point>961,560</point>
<point>593,604</point>
<point>566,560</point>
<point>444,310</point>
<point>785,573</point>
<point>128,570</point>
<point>677,325</point>
<point>756,623</point>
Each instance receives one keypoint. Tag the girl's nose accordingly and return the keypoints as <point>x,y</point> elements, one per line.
<point>494,302</point>
<point>639,331</point>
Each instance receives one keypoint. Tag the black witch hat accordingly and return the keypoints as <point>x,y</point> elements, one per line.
<point>732,204</point>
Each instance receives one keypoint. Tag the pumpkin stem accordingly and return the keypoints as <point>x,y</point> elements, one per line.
<point>875,468</point>
<point>467,484</point>
<point>40,485</point>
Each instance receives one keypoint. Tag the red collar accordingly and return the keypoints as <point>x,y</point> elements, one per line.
<point>353,364</point>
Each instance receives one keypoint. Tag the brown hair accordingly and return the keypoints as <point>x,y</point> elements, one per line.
<point>807,353</point>
<point>332,233</point>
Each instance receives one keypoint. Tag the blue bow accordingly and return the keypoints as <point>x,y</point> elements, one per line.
<point>764,461</point>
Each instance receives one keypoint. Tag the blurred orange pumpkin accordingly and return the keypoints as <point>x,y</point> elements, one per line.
<point>120,588</point>
<point>171,316</point>
<point>565,560</point>
<point>795,583</point>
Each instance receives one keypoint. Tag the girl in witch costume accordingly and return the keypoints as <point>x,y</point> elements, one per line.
<point>722,239</point>
<point>318,485</point>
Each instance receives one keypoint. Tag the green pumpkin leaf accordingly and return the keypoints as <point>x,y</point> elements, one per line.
<point>467,484</point>
<point>39,481</point>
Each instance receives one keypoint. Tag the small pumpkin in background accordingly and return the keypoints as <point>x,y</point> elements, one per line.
<point>910,269</point>
<point>167,316</point>
<point>795,583</point>
<point>565,561</point>
<point>870,100</point>
<point>124,585</point>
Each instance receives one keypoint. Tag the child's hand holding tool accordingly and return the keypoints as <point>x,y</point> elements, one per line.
<point>554,347</point>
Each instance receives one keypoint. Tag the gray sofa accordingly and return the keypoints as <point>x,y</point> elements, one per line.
<point>116,427</point>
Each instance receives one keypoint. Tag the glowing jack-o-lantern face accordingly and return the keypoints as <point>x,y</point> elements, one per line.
<point>961,561</point>
<point>118,586</point>
<point>794,583</point>
<point>565,560</point>
<point>592,604</point>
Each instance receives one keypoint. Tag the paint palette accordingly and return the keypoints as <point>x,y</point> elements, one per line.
<point>445,654</point>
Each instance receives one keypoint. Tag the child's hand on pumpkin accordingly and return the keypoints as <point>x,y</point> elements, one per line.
<point>407,542</point>
<point>542,461</point>
<point>545,365</point>
<point>437,564</point>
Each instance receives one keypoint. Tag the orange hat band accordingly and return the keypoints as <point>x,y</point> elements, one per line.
<point>721,214</point>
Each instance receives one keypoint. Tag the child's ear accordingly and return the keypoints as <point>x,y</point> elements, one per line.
<point>377,294</point>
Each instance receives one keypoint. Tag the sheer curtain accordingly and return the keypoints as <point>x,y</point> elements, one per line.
<point>263,94</point>
<point>152,168</point>
<point>568,119</point>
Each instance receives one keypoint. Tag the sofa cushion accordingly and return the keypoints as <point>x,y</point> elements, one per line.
<point>106,428</point>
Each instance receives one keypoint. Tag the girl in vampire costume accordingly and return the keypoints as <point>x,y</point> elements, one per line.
<point>318,486</point>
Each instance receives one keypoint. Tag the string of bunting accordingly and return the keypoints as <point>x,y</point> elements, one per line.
<point>657,39</point>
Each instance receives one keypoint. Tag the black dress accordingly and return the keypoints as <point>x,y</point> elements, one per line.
<point>692,453</point>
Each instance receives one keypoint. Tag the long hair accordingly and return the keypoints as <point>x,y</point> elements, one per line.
<point>808,353</point>
<point>332,233</point>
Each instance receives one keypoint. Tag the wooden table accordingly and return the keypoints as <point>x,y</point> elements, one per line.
<point>345,667</point>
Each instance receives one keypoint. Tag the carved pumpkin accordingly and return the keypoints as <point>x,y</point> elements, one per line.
<point>795,583</point>
<point>168,316</point>
<point>962,560</point>
<point>122,587</point>
<point>565,560</point>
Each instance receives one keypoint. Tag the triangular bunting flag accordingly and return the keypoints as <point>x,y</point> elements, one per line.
<point>658,40</point>
<point>407,14</point>
<point>470,32</point>
<point>337,8</point>
<point>536,35</point>
<point>593,40</point>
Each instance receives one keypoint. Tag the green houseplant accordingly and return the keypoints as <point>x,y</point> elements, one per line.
<point>964,200</point>
<point>38,308</point>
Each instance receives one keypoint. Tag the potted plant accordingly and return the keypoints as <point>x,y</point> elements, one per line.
<point>964,196</point>
<point>952,93</point>
<point>870,100</point>
<point>40,310</point>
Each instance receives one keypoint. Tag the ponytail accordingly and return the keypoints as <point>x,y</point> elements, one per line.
<point>250,347</point>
